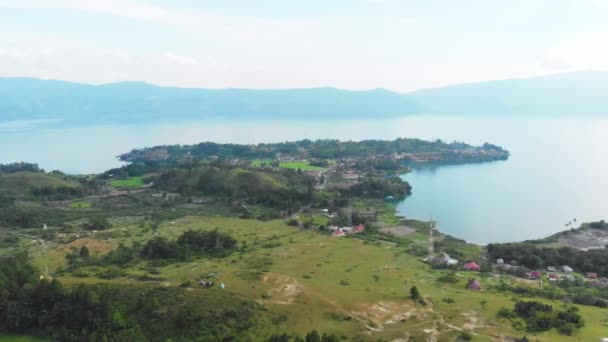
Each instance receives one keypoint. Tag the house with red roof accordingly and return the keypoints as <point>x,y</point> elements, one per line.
<point>591,275</point>
<point>359,229</point>
<point>471,266</point>
<point>534,275</point>
<point>553,277</point>
<point>339,233</point>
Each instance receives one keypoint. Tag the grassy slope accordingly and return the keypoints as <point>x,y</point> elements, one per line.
<point>303,275</point>
<point>21,183</point>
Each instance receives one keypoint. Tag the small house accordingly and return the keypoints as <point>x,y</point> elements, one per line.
<point>553,277</point>
<point>451,262</point>
<point>359,228</point>
<point>500,261</point>
<point>551,269</point>
<point>471,266</point>
<point>534,275</point>
<point>347,229</point>
<point>339,233</point>
<point>474,285</point>
<point>591,275</point>
<point>567,269</point>
<point>333,228</point>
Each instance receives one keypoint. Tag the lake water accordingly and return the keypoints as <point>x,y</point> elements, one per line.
<point>557,170</point>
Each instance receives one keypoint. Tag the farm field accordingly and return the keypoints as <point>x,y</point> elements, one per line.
<point>133,182</point>
<point>345,286</point>
<point>304,166</point>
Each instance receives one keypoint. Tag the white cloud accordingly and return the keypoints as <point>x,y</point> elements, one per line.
<point>205,49</point>
<point>580,51</point>
<point>179,59</point>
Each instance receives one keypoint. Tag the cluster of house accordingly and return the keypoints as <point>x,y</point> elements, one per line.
<point>555,274</point>
<point>343,231</point>
<point>444,260</point>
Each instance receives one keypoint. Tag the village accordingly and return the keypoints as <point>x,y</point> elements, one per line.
<point>552,274</point>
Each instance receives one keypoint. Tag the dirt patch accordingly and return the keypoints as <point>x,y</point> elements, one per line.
<point>95,246</point>
<point>285,289</point>
<point>472,321</point>
<point>384,313</point>
<point>585,239</point>
<point>398,230</point>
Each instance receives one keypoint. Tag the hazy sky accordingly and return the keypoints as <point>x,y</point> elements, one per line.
<point>354,44</point>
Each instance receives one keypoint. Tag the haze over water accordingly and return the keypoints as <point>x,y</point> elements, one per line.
<point>556,171</point>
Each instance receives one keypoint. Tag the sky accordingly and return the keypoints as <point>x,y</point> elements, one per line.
<point>400,45</point>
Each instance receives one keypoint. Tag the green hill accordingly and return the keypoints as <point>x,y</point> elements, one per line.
<point>24,183</point>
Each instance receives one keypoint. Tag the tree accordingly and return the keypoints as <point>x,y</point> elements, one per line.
<point>414,293</point>
<point>98,223</point>
<point>84,252</point>
<point>313,336</point>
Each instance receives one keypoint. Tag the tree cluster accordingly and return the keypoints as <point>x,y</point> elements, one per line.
<point>542,317</point>
<point>533,257</point>
<point>19,167</point>
<point>29,305</point>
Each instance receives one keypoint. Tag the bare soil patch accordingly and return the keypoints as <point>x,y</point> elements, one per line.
<point>285,289</point>
<point>585,239</point>
<point>95,246</point>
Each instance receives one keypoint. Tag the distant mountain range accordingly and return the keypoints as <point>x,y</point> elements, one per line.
<point>23,99</point>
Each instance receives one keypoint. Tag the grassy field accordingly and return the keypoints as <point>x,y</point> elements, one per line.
<point>261,162</point>
<point>345,286</point>
<point>133,182</point>
<point>80,205</point>
<point>304,166</point>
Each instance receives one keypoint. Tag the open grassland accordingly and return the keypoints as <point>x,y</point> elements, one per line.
<point>80,205</point>
<point>346,286</point>
<point>261,162</point>
<point>304,166</point>
<point>21,183</point>
<point>133,182</point>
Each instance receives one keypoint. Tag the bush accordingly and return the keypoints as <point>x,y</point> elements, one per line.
<point>465,336</point>
<point>448,278</point>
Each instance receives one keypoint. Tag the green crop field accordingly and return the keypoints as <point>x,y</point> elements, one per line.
<point>304,166</point>
<point>133,182</point>
<point>260,162</point>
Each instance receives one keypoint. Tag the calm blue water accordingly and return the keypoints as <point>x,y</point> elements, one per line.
<point>557,170</point>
